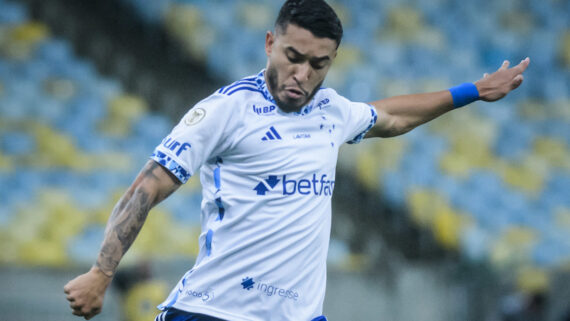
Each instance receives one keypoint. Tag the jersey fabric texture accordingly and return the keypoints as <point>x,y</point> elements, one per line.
<point>267,179</point>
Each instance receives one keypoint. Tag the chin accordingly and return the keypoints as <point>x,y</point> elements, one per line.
<point>289,107</point>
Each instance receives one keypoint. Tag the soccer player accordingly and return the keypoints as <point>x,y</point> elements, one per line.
<point>266,147</point>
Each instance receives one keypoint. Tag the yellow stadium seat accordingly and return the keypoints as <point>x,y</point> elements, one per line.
<point>513,247</point>
<point>531,280</point>
<point>404,22</point>
<point>255,15</point>
<point>55,149</point>
<point>524,178</point>
<point>448,226</point>
<point>555,152</point>
<point>6,163</point>
<point>23,39</point>
<point>163,237</point>
<point>185,23</point>
<point>43,253</point>
<point>123,110</point>
<point>432,211</point>
<point>142,299</point>
<point>562,217</point>
<point>41,230</point>
<point>375,158</point>
<point>30,32</point>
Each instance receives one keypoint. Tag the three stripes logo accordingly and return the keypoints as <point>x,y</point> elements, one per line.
<point>271,134</point>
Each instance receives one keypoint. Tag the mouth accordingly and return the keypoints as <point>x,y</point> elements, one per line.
<point>295,93</point>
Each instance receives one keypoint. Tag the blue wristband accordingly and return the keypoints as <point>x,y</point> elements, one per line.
<point>464,94</point>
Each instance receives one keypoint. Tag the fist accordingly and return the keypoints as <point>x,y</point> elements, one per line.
<point>85,293</point>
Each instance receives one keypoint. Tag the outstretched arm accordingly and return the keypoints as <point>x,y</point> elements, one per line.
<point>400,114</point>
<point>152,185</point>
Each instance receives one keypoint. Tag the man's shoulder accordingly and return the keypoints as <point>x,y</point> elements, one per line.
<point>328,97</point>
<point>248,85</point>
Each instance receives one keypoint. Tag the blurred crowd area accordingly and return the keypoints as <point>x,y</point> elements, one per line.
<point>488,184</point>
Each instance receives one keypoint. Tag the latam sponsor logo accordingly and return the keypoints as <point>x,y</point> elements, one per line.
<point>302,136</point>
<point>175,146</point>
<point>269,289</point>
<point>265,110</point>
<point>205,296</point>
<point>317,185</point>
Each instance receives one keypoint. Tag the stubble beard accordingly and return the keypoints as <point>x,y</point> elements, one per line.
<point>286,106</point>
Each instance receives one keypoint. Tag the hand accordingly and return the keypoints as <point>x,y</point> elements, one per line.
<point>85,293</point>
<point>498,84</point>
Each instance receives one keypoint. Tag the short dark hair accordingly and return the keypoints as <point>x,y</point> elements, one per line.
<point>314,15</point>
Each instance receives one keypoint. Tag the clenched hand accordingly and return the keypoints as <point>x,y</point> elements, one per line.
<point>85,293</point>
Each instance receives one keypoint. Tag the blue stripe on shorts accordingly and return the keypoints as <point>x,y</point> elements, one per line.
<point>178,315</point>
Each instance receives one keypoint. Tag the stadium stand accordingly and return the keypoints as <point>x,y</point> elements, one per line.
<point>490,182</point>
<point>71,142</point>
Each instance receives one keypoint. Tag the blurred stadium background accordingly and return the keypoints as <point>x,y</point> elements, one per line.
<point>467,218</point>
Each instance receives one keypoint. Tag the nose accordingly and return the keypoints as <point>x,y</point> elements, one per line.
<point>302,72</point>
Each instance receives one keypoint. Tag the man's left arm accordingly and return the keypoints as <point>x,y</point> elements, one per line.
<point>400,114</point>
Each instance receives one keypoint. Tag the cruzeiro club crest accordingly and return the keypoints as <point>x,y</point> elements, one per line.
<point>247,283</point>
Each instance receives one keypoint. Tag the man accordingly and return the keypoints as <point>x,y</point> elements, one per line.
<point>266,147</point>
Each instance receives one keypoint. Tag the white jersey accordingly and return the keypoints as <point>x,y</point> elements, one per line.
<point>267,179</point>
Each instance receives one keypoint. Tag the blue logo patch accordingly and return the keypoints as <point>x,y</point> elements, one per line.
<point>173,145</point>
<point>265,110</point>
<point>261,188</point>
<point>269,289</point>
<point>271,134</point>
<point>314,185</point>
<point>323,103</point>
<point>247,283</point>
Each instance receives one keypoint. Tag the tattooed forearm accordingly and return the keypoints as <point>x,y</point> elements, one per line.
<point>130,213</point>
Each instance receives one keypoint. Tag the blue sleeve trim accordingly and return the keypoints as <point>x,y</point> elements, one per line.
<point>171,165</point>
<point>374,117</point>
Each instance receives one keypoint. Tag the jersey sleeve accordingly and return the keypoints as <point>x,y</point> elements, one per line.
<point>359,119</point>
<point>201,134</point>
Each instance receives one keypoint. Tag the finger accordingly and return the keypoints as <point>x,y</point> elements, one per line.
<point>485,75</point>
<point>66,289</point>
<point>70,298</point>
<point>521,67</point>
<point>75,306</point>
<point>505,65</point>
<point>517,81</point>
<point>77,312</point>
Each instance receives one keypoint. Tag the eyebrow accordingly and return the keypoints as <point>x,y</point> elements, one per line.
<point>315,59</point>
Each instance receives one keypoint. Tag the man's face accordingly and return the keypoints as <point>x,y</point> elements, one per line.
<point>296,66</point>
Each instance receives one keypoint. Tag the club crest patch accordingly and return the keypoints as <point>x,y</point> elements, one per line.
<point>195,116</point>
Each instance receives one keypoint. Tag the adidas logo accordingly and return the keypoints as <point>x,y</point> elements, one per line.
<point>271,134</point>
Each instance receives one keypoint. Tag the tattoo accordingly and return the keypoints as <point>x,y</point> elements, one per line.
<point>130,213</point>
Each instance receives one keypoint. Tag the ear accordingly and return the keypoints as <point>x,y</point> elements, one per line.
<point>269,41</point>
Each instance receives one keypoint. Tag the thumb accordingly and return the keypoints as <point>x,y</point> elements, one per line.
<point>517,81</point>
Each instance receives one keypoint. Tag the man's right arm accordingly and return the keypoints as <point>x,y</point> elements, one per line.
<point>152,185</point>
